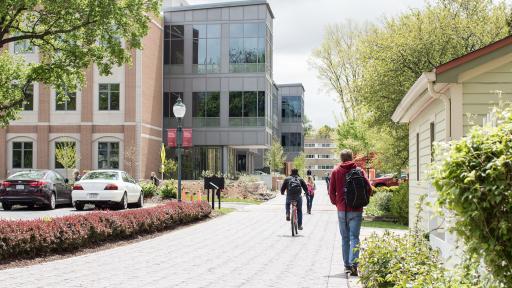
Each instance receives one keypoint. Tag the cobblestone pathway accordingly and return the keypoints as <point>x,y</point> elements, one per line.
<point>251,247</point>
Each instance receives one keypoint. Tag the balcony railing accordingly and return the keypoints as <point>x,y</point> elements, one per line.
<point>246,122</point>
<point>200,122</point>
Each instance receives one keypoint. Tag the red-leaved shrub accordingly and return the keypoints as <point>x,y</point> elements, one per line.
<point>30,238</point>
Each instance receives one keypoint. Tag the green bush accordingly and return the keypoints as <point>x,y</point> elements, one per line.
<point>380,204</point>
<point>393,260</point>
<point>474,181</point>
<point>168,189</point>
<point>385,189</point>
<point>148,189</point>
<point>400,204</point>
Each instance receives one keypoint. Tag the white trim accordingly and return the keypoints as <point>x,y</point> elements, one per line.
<point>151,137</point>
<point>156,24</point>
<point>138,112</point>
<point>151,126</point>
<point>415,92</point>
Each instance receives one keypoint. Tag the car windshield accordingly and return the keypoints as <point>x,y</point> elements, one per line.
<point>27,175</point>
<point>101,175</point>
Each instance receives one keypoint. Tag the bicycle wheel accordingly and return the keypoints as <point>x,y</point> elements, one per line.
<point>292,221</point>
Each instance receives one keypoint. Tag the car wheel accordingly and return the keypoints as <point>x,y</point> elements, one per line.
<point>53,202</point>
<point>140,202</point>
<point>123,205</point>
<point>7,207</point>
<point>79,206</point>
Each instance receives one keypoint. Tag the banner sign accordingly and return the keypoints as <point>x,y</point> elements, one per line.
<point>187,137</point>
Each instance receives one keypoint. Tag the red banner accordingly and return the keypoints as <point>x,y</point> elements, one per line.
<point>187,137</point>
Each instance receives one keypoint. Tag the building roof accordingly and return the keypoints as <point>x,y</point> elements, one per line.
<point>418,97</point>
<point>473,55</point>
<point>220,5</point>
<point>291,85</point>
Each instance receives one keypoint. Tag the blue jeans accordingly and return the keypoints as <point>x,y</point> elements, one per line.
<point>309,201</point>
<point>350,236</point>
<point>299,208</point>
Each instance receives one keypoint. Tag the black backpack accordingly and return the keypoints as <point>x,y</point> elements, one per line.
<point>356,189</point>
<point>294,187</point>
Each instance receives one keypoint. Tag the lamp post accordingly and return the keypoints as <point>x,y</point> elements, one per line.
<point>179,110</point>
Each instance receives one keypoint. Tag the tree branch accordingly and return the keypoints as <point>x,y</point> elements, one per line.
<point>5,29</point>
<point>46,33</point>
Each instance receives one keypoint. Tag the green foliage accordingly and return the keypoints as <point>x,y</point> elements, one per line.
<point>393,260</point>
<point>299,163</point>
<point>65,153</point>
<point>148,189</point>
<point>308,127</point>
<point>372,67</point>
<point>474,182</point>
<point>168,189</point>
<point>400,204</point>
<point>69,36</point>
<point>274,157</point>
<point>168,168</point>
<point>325,132</point>
<point>380,204</point>
<point>337,63</point>
<point>354,135</point>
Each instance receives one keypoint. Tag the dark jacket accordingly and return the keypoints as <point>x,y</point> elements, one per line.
<point>284,187</point>
<point>337,186</point>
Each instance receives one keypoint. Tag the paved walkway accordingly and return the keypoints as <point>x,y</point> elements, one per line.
<point>251,247</point>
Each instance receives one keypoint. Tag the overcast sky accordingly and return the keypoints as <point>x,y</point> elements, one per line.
<point>298,29</point>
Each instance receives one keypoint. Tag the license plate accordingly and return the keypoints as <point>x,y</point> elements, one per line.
<point>20,187</point>
<point>92,196</point>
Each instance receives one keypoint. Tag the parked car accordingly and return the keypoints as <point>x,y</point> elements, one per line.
<point>387,180</point>
<point>107,188</point>
<point>45,188</point>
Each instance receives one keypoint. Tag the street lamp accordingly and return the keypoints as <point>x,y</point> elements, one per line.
<point>179,110</point>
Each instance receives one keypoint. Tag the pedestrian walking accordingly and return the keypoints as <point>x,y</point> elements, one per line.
<point>76,175</point>
<point>327,179</point>
<point>154,179</point>
<point>310,194</point>
<point>349,190</point>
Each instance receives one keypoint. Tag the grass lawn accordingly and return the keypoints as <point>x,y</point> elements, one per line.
<point>383,224</point>
<point>239,200</point>
<point>224,211</point>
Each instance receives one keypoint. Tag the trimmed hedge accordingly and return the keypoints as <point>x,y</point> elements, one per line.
<point>24,239</point>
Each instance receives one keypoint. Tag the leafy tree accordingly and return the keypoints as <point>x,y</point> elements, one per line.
<point>394,55</point>
<point>308,127</point>
<point>299,163</point>
<point>354,135</point>
<point>65,153</point>
<point>69,35</point>
<point>372,68</point>
<point>168,167</point>
<point>274,157</point>
<point>337,63</point>
<point>325,131</point>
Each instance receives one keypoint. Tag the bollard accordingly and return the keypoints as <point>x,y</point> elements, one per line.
<point>199,194</point>
<point>184,195</point>
<point>192,197</point>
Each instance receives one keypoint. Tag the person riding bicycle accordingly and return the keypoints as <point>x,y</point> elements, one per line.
<point>294,185</point>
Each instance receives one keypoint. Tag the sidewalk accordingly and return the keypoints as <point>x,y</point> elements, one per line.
<point>251,247</point>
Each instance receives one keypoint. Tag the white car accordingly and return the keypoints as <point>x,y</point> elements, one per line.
<point>111,188</point>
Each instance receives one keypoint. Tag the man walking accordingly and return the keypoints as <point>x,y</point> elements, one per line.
<point>293,185</point>
<point>348,185</point>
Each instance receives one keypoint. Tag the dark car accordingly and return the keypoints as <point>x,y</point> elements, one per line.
<point>45,188</point>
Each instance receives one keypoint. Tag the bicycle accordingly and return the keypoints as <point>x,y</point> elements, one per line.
<point>294,219</point>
